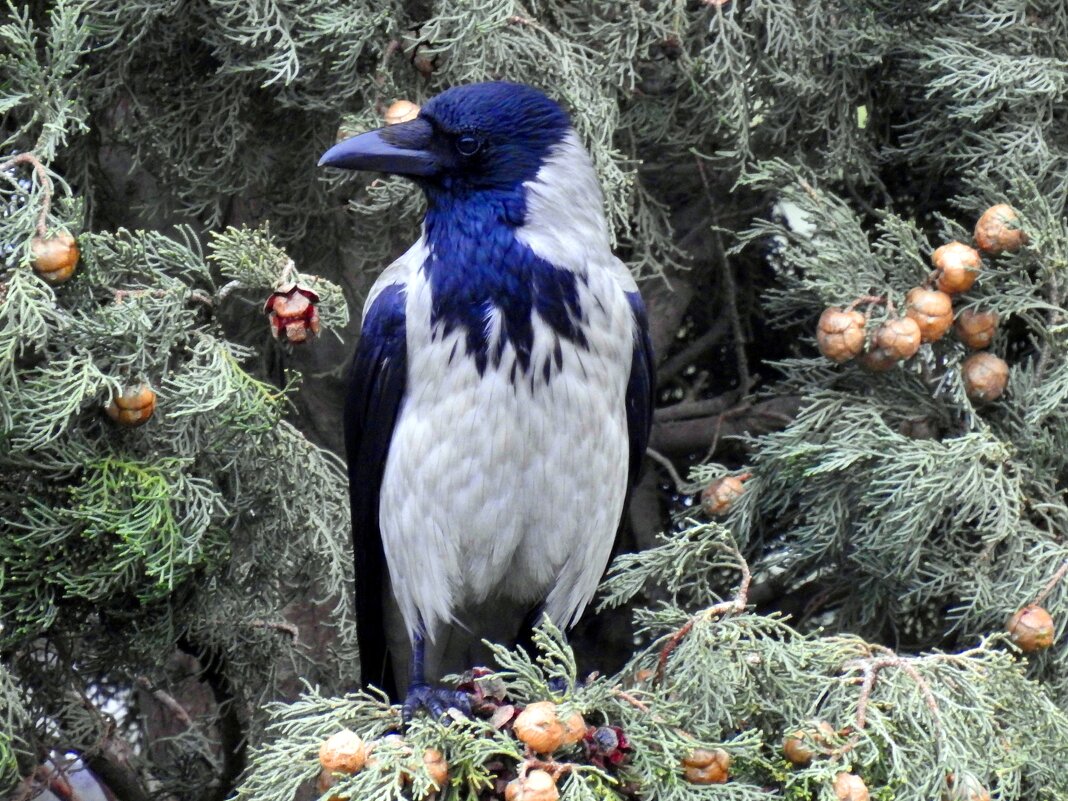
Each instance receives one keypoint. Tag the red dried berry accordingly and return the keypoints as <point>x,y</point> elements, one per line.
<point>292,311</point>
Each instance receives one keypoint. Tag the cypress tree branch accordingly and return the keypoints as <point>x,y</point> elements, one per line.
<point>111,764</point>
<point>734,606</point>
<point>167,700</point>
<point>42,178</point>
<point>1051,584</point>
<point>233,743</point>
<point>688,435</point>
<point>694,350</point>
<point>664,462</point>
<point>695,409</point>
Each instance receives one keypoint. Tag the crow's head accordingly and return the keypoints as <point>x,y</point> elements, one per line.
<point>485,136</point>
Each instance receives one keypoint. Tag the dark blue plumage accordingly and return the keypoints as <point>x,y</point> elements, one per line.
<point>377,380</point>
<point>640,389</point>
<point>510,144</point>
<point>467,246</point>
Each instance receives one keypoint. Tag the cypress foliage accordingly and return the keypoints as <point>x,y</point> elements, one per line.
<point>762,160</point>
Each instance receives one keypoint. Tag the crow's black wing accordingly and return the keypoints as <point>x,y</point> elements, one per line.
<point>640,389</point>
<point>377,382</point>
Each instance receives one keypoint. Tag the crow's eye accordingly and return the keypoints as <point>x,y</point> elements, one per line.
<point>468,144</point>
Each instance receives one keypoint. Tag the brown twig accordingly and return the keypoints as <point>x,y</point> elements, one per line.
<point>663,461</point>
<point>283,626</point>
<point>744,407</point>
<point>641,706</point>
<point>167,700</point>
<point>730,295</point>
<point>672,644</point>
<point>871,300</point>
<point>1051,584</point>
<point>391,49</point>
<point>732,607</point>
<point>200,296</point>
<point>683,437</point>
<point>42,179</point>
<point>380,74</point>
<point>525,22</point>
<point>870,669</point>
<point>701,408</point>
<point>697,388</point>
<point>120,295</point>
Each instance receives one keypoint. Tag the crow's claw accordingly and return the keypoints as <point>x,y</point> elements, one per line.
<point>435,700</point>
<point>558,684</point>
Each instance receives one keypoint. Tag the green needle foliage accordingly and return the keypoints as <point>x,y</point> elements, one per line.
<point>120,544</point>
<point>154,535</point>
<point>904,723</point>
<point>483,753</point>
<point>136,514</point>
<point>769,159</point>
<point>904,500</point>
<point>712,677</point>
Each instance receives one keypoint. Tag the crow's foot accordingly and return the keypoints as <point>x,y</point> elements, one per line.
<point>558,684</point>
<point>435,700</point>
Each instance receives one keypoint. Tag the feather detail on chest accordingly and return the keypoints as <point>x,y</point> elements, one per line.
<point>477,457</point>
<point>517,334</point>
<point>505,266</point>
<point>498,409</point>
<point>496,292</point>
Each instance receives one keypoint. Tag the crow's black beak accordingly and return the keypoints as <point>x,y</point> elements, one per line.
<point>404,149</point>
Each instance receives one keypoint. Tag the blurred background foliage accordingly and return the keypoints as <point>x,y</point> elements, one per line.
<point>762,160</point>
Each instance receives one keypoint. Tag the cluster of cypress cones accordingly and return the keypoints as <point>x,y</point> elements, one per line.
<point>843,334</point>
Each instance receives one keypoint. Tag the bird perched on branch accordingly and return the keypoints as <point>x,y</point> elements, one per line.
<point>500,396</point>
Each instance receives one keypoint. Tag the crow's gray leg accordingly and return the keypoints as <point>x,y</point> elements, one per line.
<point>421,695</point>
